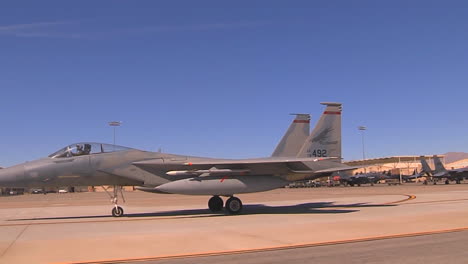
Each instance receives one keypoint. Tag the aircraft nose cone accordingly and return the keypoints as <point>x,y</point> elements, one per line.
<point>12,177</point>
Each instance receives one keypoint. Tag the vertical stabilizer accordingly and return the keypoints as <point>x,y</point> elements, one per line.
<point>425,166</point>
<point>294,138</point>
<point>325,139</point>
<point>439,167</point>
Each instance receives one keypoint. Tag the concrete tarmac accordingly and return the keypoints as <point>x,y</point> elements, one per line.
<point>77,227</point>
<point>439,248</point>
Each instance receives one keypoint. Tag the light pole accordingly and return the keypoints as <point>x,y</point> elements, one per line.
<point>362,129</point>
<point>115,124</point>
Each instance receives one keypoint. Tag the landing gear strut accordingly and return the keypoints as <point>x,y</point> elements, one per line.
<point>117,211</point>
<point>215,204</point>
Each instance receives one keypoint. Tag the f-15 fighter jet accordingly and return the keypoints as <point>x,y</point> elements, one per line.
<point>94,164</point>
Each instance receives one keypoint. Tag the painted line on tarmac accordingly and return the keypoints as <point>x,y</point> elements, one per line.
<point>409,198</point>
<point>266,249</point>
<point>440,201</point>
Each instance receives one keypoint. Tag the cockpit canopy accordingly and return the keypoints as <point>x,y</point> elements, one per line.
<point>86,148</point>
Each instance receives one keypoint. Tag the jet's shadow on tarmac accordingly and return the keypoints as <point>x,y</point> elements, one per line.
<point>307,208</point>
<point>249,209</point>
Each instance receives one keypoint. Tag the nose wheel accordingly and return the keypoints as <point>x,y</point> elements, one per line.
<point>117,211</point>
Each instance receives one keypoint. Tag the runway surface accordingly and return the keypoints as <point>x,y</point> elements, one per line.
<point>439,248</point>
<point>77,228</point>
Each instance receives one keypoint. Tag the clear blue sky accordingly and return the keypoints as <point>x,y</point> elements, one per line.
<point>219,79</point>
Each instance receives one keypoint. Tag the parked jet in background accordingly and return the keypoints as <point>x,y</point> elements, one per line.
<point>372,178</point>
<point>440,172</point>
<point>426,169</point>
<point>358,179</point>
<point>456,175</point>
<point>94,164</point>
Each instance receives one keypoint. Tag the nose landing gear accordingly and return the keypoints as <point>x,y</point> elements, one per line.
<point>117,211</point>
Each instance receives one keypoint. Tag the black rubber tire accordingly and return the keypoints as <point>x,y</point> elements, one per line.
<point>215,204</point>
<point>234,205</point>
<point>447,181</point>
<point>117,211</point>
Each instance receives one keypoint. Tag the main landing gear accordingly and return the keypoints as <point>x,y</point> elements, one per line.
<point>117,211</point>
<point>233,204</point>
<point>215,204</point>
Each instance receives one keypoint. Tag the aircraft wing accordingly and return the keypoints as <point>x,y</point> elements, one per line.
<point>208,162</point>
<point>458,173</point>
<point>262,166</point>
<point>460,170</point>
<point>443,174</point>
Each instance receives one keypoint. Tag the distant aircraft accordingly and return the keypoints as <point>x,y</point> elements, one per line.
<point>94,164</point>
<point>440,172</point>
<point>426,169</point>
<point>370,178</point>
<point>364,178</point>
<point>456,175</point>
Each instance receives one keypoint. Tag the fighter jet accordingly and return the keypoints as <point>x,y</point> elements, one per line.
<point>440,172</point>
<point>94,164</point>
<point>456,175</point>
<point>364,178</point>
<point>426,169</point>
